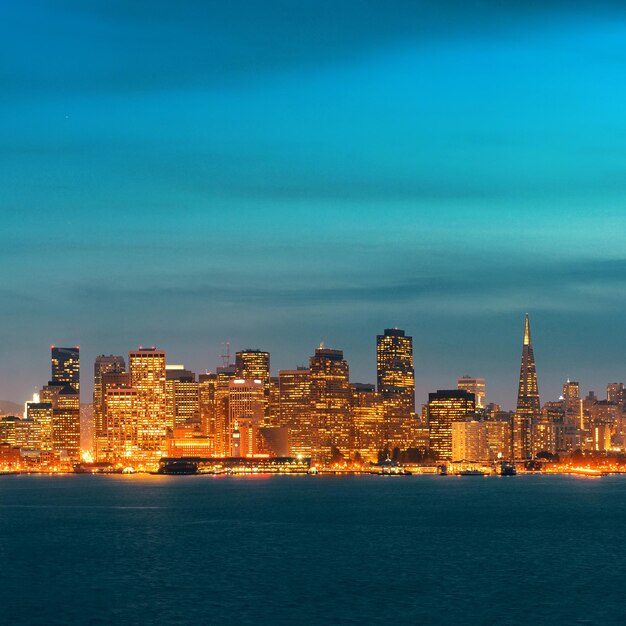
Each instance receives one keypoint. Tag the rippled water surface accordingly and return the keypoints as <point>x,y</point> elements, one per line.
<point>312,550</point>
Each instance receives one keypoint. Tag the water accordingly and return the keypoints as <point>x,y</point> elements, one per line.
<point>312,550</point>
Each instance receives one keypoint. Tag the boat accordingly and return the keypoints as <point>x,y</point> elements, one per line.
<point>507,469</point>
<point>472,472</point>
<point>178,468</point>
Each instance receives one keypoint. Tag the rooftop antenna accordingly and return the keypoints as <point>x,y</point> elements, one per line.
<point>225,356</point>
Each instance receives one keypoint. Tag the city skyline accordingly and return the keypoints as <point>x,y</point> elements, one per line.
<point>244,191</point>
<point>261,359</point>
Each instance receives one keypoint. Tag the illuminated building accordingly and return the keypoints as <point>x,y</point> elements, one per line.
<point>182,396</point>
<point>223,431</point>
<point>475,386</point>
<point>124,413</point>
<point>601,437</point>
<point>103,365</point>
<point>444,408</point>
<point>108,380</point>
<point>66,422</point>
<point>207,384</point>
<point>295,409</point>
<point>528,406</point>
<point>246,403</point>
<point>573,404</point>
<point>330,405</point>
<point>369,420</point>
<point>544,436</point>
<point>395,373</point>
<point>606,420</point>
<point>469,440</point>
<point>498,433</point>
<point>147,376</point>
<point>615,393</point>
<point>66,366</point>
<point>273,411</point>
<point>253,364</point>
<point>41,414</point>
<point>189,440</point>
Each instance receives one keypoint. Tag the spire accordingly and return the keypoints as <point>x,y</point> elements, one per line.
<point>527,339</point>
<point>528,404</point>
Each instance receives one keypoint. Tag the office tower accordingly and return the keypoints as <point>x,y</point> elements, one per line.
<point>498,433</point>
<point>66,422</point>
<point>182,396</point>
<point>273,410</point>
<point>253,364</point>
<point>246,404</point>
<point>544,436</point>
<point>475,386</point>
<point>124,412</point>
<point>41,414</point>
<point>207,384</point>
<point>295,409</point>
<point>573,404</point>
<point>446,406</point>
<point>469,440</point>
<point>615,393</point>
<point>330,405</point>
<point>104,364</point>
<point>147,376</point>
<point>223,432</point>
<point>528,406</point>
<point>395,373</point>
<point>66,366</point>
<point>369,420</point>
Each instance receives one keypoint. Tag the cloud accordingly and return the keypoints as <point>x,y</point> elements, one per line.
<point>134,46</point>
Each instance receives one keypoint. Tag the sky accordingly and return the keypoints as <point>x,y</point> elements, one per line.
<point>280,173</point>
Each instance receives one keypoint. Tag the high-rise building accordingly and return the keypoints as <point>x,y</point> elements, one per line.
<point>182,396</point>
<point>615,393</point>
<point>369,420</point>
<point>104,364</point>
<point>207,384</point>
<point>395,373</point>
<point>147,376</point>
<point>330,405</point>
<point>246,403</point>
<point>223,431</point>
<point>41,414</point>
<point>446,406</point>
<point>124,413</point>
<point>295,409</point>
<point>66,422</point>
<point>573,404</point>
<point>528,405</point>
<point>66,366</point>
<point>475,386</point>
<point>254,364</point>
<point>469,440</point>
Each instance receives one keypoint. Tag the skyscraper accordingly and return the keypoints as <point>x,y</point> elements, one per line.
<point>246,404</point>
<point>182,396</point>
<point>147,376</point>
<point>207,384</point>
<point>103,365</point>
<point>254,364</point>
<point>528,405</point>
<point>66,366</point>
<point>395,373</point>
<point>295,408</point>
<point>446,406</point>
<point>573,404</point>
<point>330,404</point>
<point>475,386</point>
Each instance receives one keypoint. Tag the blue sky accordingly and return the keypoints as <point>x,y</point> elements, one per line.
<point>281,173</point>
